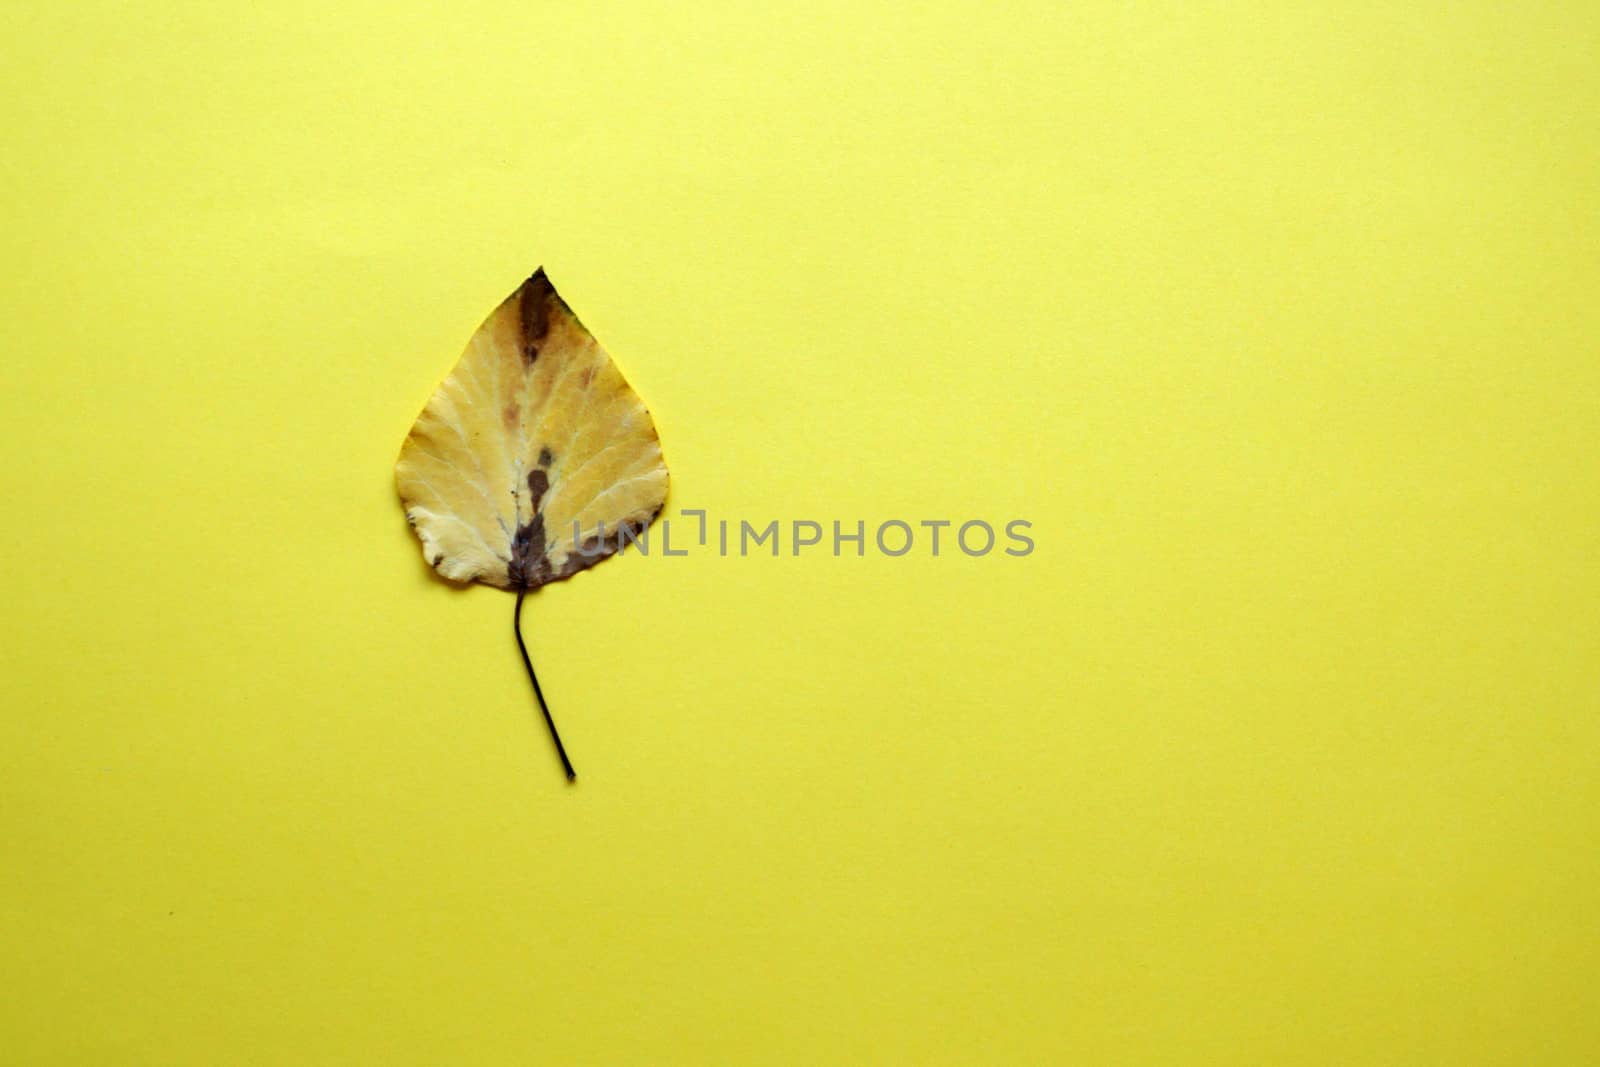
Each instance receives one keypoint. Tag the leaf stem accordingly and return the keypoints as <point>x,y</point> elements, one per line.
<point>516,625</point>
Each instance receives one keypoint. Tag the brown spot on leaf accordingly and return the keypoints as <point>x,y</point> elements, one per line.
<point>538,482</point>
<point>511,416</point>
<point>533,307</point>
<point>545,457</point>
<point>529,567</point>
<point>596,547</point>
<point>438,559</point>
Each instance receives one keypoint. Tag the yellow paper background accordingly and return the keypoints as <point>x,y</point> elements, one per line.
<point>1279,322</point>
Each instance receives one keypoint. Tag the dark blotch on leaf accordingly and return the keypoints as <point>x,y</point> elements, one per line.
<point>533,305</point>
<point>529,567</point>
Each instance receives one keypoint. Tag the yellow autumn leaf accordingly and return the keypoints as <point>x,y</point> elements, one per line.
<point>533,454</point>
<point>532,459</point>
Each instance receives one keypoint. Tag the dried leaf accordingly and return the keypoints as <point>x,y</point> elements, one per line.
<point>531,459</point>
<point>533,454</point>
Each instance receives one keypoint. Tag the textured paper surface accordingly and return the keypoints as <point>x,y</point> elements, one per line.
<point>1278,322</point>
